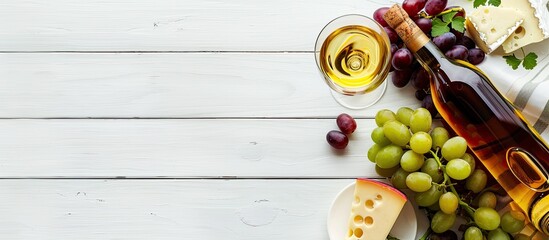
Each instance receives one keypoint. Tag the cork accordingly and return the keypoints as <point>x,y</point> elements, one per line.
<point>395,16</point>
<point>406,28</point>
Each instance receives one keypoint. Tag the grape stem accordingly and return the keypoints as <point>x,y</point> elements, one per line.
<point>448,182</point>
<point>423,14</point>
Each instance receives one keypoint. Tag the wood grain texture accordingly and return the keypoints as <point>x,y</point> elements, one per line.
<point>193,148</point>
<point>168,25</point>
<point>169,209</point>
<point>166,209</point>
<point>189,85</point>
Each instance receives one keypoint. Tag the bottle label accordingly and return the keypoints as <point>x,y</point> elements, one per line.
<point>406,28</point>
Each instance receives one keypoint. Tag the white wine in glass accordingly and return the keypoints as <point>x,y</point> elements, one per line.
<point>353,55</point>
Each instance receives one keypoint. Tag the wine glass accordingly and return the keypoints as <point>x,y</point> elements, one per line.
<point>353,54</point>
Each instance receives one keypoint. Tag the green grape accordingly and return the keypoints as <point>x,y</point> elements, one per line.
<point>477,181</point>
<point>430,166</point>
<point>487,199</point>
<point>521,236</point>
<point>383,116</point>
<point>398,179</point>
<point>470,159</point>
<point>429,197</point>
<point>372,152</point>
<point>448,203</point>
<point>404,114</point>
<point>421,142</point>
<point>418,181</point>
<point>487,218</point>
<point>473,233</point>
<point>397,132</point>
<point>439,135</point>
<point>389,156</point>
<point>442,222</point>
<point>411,161</point>
<point>512,221</point>
<point>421,120</point>
<point>378,136</point>
<point>386,172</point>
<point>454,148</point>
<point>458,169</point>
<point>498,234</point>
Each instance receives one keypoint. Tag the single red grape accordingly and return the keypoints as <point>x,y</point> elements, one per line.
<point>420,79</point>
<point>378,16</point>
<point>337,139</point>
<point>445,41</point>
<point>476,56</point>
<point>346,123</point>
<point>401,78</point>
<point>420,94</point>
<point>459,35</point>
<point>428,104</point>
<point>458,52</point>
<point>393,36</point>
<point>434,7</point>
<point>425,25</point>
<point>467,42</point>
<point>402,59</point>
<point>412,7</point>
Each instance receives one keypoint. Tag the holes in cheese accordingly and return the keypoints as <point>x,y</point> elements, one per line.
<point>491,26</point>
<point>535,27</point>
<point>375,209</point>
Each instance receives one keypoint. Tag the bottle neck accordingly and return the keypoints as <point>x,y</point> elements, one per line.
<point>416,41</point>
<point>429,55</point>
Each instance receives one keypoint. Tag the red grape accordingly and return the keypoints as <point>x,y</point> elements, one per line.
<point>401,78</point>
<point>402,59</point>
<point>458,52</point>
<point>420,79</point>
<point>412,7</point>
<point>420,94</point>
<point>445,41</point>
<point>476,56</point>
<point>428,104</point>
<point>425,25</point>
<point>393,36</point>
<point>459,35</point>
<point>467,42</point>
<point>346,123</point>
<point>337,139</point>
<point>378,16</point>
<point>434,7</point>
<point>394,48</point>
<point>460,13</point>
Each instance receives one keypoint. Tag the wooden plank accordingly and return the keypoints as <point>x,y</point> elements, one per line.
<point>171,86</point>
<point>192,148</point>
<point>165,25</point>
<point>166,209</point>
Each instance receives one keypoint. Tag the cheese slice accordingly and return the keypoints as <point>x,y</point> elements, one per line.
<point>375,209</point>
<point>535,27</point>
<point>491,26</point>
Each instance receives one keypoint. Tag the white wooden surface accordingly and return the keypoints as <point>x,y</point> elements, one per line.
<point>194,119</point>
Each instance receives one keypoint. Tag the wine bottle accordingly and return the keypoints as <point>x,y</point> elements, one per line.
<point>497,133</point>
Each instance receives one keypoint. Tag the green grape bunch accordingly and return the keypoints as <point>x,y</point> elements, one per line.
<point>442,175</point>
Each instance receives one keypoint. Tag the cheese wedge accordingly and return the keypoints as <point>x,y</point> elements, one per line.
<point>375,209</point>
<point>535,27</point>
<point>491,26</point>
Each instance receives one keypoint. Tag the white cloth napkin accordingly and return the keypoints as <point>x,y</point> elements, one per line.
<point>528,90</point>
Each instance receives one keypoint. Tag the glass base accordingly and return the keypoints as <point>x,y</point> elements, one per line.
<point>360,101</point>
